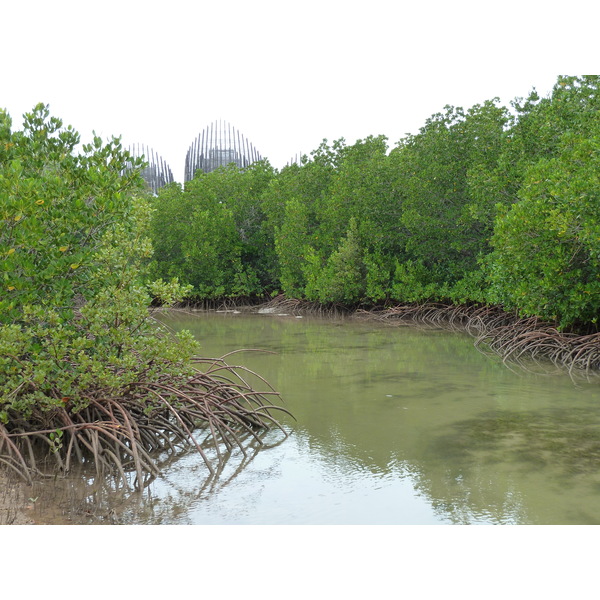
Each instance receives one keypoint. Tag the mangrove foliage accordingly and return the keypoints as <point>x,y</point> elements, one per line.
<point>86,373</point>
<point>490,205</point>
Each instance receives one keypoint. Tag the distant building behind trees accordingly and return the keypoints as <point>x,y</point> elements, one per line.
<point>216,146</point>
<point>158,173</point>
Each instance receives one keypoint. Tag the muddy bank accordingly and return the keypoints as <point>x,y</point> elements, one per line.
<point>57,501</point>
<point>14,503</point>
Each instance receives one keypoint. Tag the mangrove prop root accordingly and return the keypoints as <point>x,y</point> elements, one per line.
<point>127,433</point>
<point>528,343</point>
<point>516,340</point>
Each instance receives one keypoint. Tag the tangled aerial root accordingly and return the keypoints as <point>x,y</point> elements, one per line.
<point>526,342</point>
<point>520,341</point>
<point>126,434</point>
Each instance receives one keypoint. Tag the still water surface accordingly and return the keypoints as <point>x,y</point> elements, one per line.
<point>395,425</point>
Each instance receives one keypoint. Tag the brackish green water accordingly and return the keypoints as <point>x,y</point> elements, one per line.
<point>395,425</point>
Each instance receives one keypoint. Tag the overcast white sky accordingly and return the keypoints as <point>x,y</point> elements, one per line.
<point>285,74</point>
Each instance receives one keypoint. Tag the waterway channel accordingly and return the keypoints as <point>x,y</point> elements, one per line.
<point>394,425</point>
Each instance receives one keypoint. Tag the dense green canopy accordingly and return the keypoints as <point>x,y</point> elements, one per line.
<point>492,204</point>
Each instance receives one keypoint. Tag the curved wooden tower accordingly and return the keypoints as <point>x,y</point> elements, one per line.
<point>218,145</point>
<point>158,173</point>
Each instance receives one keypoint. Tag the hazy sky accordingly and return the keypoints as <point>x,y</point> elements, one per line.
<point>285,74</point>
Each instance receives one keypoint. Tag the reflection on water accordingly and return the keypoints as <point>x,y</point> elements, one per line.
<point>394,426</point>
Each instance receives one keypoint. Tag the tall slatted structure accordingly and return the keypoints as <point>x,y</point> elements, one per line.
<point>219,145</point>
<point>158,173</point>
<point>295,160</point>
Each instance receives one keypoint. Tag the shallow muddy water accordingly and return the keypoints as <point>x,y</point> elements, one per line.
<point>394,425</point>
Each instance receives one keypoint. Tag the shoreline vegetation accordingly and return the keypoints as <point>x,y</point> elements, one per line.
<point>523,342</point>
<point>87,375</point>
<point>485,220</point>
<point>492,206</point>
<point>119,436</point>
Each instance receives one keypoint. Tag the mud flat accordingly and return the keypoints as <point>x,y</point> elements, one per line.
<point>13,503</point>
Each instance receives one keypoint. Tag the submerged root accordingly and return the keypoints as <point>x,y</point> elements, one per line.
<point>125,435</point>
<point>526,342</point>
<point>520,341</point>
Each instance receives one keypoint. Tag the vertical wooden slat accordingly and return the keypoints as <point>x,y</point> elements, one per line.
<point>158,173</point>
<point>219,144</point>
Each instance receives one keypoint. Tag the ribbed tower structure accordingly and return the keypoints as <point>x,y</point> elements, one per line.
<point>158,173</point>
<point>218,145</point>
<point>295,160</point>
